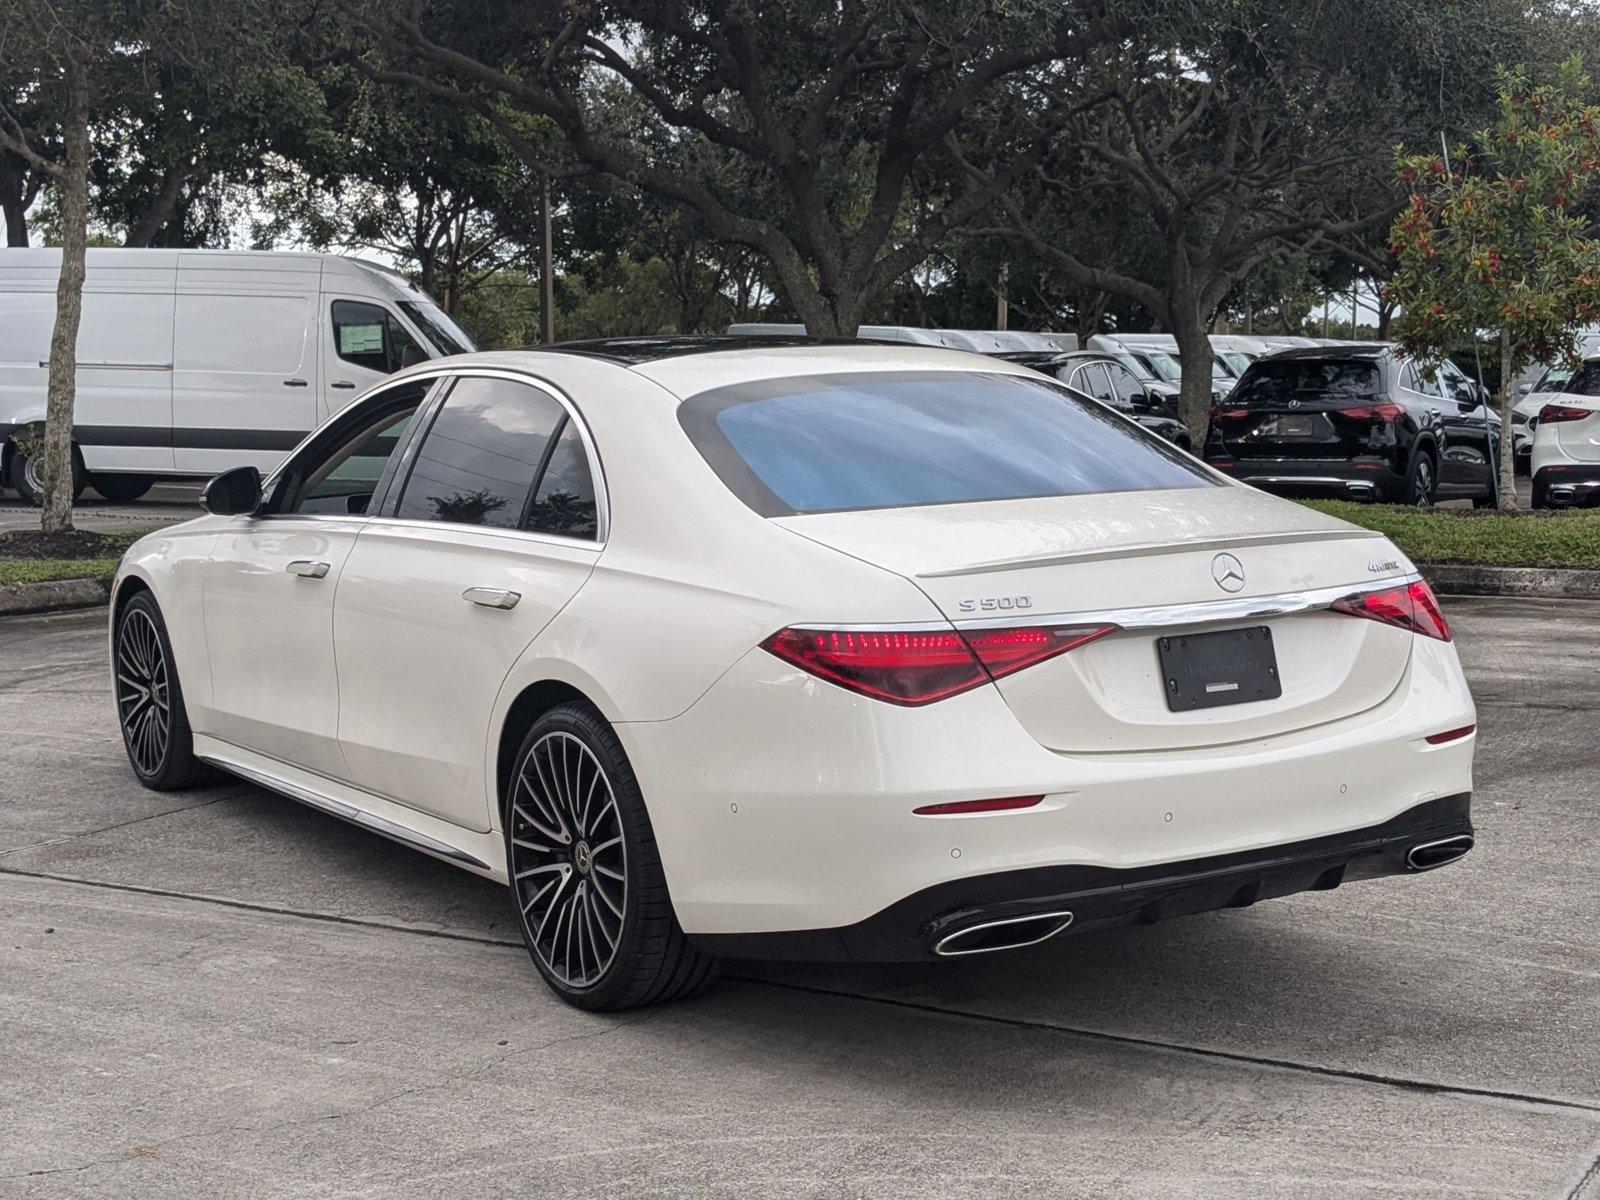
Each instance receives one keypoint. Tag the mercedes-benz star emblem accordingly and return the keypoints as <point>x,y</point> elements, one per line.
<point>1294,403</point>
<point>1228,572</point>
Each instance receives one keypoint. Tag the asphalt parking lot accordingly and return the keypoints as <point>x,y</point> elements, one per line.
<point>223,993</point>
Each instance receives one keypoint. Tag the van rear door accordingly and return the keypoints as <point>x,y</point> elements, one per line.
<point>245,379</point>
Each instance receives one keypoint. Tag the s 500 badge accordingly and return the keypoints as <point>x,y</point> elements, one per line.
<point>995,603</point>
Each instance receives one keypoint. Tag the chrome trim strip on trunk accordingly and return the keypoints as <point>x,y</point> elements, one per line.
<point>1140,549</point>
<point>346,812</point>
<point>1199,612</point>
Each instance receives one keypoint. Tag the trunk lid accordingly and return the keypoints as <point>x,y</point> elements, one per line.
<point>1302,409</point>
<point>1020,561</point>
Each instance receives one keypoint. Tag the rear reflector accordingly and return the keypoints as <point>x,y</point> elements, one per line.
<point>913,667</point>
<point>1450,735</point>
<point>1550,414</point>
<point>976,806</point>
<point>1410,606</point>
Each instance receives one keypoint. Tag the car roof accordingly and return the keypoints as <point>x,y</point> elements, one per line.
<point>1353,350</point>
<point>635,351</point>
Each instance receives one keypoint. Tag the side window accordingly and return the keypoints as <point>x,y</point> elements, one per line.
<point>1409,380</point>
<point>1092,379</point>
<point>345,480</point>
<point>479,460</point>
<point>1129,391</point>
<point>371,336</point>
<point>564,501</point>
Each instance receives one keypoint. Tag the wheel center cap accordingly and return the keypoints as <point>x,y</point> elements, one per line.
<point>582,857</point>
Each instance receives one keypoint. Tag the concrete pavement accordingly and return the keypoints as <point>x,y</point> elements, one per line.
<point>225,993</point>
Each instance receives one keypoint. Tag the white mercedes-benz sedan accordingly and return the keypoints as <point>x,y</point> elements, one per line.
<point>769,648</point>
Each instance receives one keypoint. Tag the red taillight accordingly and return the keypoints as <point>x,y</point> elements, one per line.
<point>956,808</point>
<point>913,667</point>
<point>1552,413</point>
<point>1382,414</point>
<point>1223,464</point>
<point>1410,606</point>
<point>1451,735</point>
<point>1218,413</point>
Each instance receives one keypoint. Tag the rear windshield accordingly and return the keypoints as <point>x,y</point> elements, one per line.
<point>1586,381</point>
<point>1267,381</point>
<point>890,440</point>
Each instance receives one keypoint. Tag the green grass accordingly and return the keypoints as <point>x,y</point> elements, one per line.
<point>41,570</point>
<point>1568,539</point>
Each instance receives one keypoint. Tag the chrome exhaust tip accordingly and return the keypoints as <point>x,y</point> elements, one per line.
<point>1563,493</point>
<point>1425,856</point>
<point>1361,489</point>
<point>1012,933</point>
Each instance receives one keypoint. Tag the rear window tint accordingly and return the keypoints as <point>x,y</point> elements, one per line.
<point>1268,381</point>
<point>889,440</point>
<point>1585,382</point>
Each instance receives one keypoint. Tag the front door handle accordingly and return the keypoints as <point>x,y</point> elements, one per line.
<point>307,569</point>
<point>492,597</point>
<point>295,383</point>
<point>341,383</point>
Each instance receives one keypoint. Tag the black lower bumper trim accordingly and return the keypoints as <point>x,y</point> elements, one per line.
<point>1104,897</point>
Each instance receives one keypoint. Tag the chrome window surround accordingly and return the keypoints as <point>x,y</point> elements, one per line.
<point>1163,616</point>
<point>596,470</point>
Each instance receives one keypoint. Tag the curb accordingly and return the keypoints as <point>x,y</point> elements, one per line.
<point>55,596</point>
<point>1550,583</point>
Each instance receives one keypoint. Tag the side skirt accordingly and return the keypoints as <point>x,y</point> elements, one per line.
<point>481,853</point>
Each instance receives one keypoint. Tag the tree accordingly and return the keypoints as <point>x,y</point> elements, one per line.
<point>1490,239</point>
<point>1234,136</point>
<point>70,61</point>
<point>820,113</point>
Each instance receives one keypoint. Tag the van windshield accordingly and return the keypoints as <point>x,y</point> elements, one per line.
<point>893,439</point>
<point>446,336</point>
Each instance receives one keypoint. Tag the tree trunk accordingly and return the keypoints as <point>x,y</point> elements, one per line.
<point>1194,353</point>
<point>1508,469</point>
<point>160,209</point>
<point>56,464</point>
<point>14,207</point>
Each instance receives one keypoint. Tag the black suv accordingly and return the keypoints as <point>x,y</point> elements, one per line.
<point>1361,422</point>
<point>1110,382</point>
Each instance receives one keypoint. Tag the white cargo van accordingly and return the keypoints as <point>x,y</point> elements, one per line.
<point>194,361</point>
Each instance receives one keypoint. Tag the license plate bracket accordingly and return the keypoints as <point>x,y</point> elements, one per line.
<point>1209,670</point>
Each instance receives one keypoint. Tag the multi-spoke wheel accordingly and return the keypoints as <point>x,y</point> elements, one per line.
<point>155,728</point>
<point>585,873</point>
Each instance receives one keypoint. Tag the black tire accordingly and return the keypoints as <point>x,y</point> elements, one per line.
<point>1422,480</point>
<point>150,710</point>
<point>604,885</point>
<point>27,483</point>
<point>121,489</point>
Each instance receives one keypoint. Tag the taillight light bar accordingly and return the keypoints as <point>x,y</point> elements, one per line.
<point>1382,414</point>
<point>914,667</point>
<point>1410,606</point>
<point>1550,414</point>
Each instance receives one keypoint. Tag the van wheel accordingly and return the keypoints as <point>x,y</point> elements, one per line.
<point>25,475</point>
<point>122,488</point>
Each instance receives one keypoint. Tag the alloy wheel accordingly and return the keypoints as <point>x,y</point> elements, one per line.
<point>1422,483</point>
<point>569,865</point>
<point>144,700</point>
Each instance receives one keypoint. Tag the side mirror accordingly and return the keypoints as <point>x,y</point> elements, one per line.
<point>1524,388</point>
<point>233,492</point>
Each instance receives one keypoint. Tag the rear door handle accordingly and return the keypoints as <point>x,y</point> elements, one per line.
<point>307,569</point>
<point>341,383</point>
<point>492,597</point>
<point>295,383</point>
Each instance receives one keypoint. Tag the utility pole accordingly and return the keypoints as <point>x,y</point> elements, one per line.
<point>547,285</point>
<point>1001,309</point>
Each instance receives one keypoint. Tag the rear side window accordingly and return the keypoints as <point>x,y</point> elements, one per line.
<point>887,440</point>
<point>1267,382</point>
<point>480,458</point>
<point>563,503</point>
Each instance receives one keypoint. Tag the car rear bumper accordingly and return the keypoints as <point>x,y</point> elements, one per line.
<point>1014,908</point>
<point>780,802</point>
<point>1351,479</point>
<point>1567,485</point>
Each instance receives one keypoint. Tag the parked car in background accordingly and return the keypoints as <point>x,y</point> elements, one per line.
<point>1531,398</point>
<point>1361,422</point>
<point>194,361</point>
<point>722,647</point>
<point>1104,378</point>
<point>1566,443</point>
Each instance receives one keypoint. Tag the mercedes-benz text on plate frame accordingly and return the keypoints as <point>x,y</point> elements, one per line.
<point>768,648</point>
